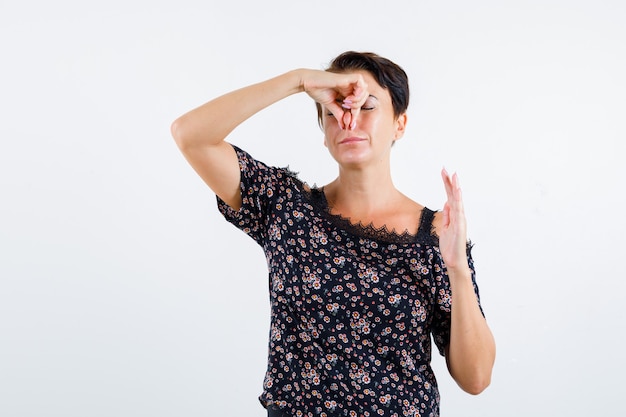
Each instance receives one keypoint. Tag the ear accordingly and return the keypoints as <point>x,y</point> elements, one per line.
<point>400,126</point>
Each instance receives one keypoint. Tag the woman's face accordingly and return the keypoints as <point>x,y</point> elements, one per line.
<point>376,130</point>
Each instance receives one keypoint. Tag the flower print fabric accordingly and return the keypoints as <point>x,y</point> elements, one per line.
<point>352,307</point>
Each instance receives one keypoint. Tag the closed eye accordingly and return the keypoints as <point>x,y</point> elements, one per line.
<point>370,103</point>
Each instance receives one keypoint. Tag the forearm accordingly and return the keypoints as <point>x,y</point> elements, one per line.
<point>212,122</point>
<point>471,353</point>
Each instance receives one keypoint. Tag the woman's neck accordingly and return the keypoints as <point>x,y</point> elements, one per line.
<point>361,194</point>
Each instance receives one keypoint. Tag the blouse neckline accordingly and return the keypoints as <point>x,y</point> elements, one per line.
<point>424,233</point>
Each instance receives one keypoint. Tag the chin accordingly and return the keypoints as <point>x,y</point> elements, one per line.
<point>352,161</point>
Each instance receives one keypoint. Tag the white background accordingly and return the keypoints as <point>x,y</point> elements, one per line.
<point>124,293</point>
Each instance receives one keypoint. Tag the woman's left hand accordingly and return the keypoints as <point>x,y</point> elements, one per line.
<point>453,229</point>
<point>472,350</point>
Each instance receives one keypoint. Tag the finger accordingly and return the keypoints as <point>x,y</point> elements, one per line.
<point>447,182</point>
<point>354,109</point>
<point>354,112</point>
<point>338,112</point>
<point>458,197</point>
<point>446,215</point>
<point>352,85</point>
<point>360,90</point>
<point>453,192</point>
<point>356,99</point>
<point>347,120</point>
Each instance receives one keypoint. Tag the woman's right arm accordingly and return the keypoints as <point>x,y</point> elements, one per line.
<point>200,133</point>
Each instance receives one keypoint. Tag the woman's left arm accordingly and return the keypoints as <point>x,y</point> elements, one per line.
<point>471,352</point>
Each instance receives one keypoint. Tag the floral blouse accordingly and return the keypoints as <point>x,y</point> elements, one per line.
<point>352,307</point>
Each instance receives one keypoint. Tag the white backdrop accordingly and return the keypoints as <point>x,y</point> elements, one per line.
<point>124,293</point>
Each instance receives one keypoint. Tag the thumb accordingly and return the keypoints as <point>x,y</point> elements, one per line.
<point>446,215</point>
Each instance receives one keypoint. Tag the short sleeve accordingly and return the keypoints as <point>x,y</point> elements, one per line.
<point>443,299</point>
<point>258,184</point>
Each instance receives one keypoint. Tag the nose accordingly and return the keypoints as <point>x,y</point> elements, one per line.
<point>349,120</point>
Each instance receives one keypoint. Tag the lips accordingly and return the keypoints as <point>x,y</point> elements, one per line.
<point>353,139</point>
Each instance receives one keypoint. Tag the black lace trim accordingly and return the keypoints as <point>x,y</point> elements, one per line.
<point>425,232</point>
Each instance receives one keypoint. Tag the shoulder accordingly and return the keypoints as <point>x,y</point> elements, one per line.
<point>251,166</point>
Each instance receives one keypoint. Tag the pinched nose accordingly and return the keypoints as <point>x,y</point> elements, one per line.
<point>349,120</point>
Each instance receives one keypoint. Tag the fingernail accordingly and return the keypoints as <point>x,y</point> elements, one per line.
<point>345,106</point>
<point>347,101</point>
<point>339,123</point>
<point>353,125</point>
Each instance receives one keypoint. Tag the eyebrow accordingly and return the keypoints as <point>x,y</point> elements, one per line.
<point>339,100</point>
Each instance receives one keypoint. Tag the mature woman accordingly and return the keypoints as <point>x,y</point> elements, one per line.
<point>360,275</point>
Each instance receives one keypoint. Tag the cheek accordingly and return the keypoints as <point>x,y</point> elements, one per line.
<point>330,129</point>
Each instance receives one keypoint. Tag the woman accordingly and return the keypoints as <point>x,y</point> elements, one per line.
<point>360,274</point>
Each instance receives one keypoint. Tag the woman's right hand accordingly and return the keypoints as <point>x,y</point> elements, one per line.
<point>200,133</point>
<point>342,94</point>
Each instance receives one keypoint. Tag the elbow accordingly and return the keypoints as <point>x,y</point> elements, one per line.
<point>177,129</point>
<point>190,136</point>
<point>472,372</point>
<point>474,378</point>
<point>477,385</point>
<point>185,137</point>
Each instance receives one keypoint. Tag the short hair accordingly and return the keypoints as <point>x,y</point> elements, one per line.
<point>387,74</point>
